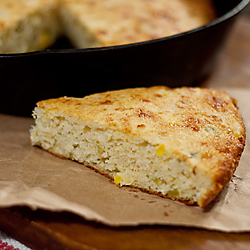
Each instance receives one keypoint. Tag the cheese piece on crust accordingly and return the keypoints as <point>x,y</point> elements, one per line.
<point>91,23</point>
<point>180,143</point>
<point>27,25</point>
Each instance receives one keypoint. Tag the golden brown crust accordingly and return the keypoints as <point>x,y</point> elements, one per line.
<point>227,169</point>
<point>225,173</point>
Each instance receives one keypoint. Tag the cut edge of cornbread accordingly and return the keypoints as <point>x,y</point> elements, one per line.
<point>79,35</point>
<point>127,160</point>
<point>38,29</point>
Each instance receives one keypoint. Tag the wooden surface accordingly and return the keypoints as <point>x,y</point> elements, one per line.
<point>233,66</point>
<point>47,230</point>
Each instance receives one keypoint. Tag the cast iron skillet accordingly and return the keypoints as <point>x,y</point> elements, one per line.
<point>183,59</point>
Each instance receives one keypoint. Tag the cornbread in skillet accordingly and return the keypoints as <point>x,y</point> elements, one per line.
<point>182,143</point>
<point>90,23</point>
<point>27,25</point>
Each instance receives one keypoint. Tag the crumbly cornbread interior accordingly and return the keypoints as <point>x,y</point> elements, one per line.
<point>28,25</point>
<point>183,143</point>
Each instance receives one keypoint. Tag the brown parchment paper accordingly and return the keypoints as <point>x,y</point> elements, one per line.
<point>33,177</point>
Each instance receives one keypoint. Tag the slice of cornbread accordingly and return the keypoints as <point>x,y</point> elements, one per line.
<point>180,143</point>
<point>28,25</point>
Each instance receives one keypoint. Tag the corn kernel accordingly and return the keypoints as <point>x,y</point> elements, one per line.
<point>99,150</point>
<point>173,193</point>
<point>117,179</point>
<point>161,150</point>
<point>156,181</point>
<point>236,135</point>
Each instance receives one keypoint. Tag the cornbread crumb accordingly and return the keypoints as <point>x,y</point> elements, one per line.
<point>117,179</point>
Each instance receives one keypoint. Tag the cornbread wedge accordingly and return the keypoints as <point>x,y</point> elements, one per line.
<point>182,143</point>
<point>28,25</point>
